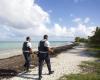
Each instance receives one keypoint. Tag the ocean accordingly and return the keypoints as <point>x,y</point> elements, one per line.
<point>11,48</point>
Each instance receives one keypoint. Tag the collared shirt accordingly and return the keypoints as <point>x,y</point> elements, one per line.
<point>29,44</point>
<point>46,44</point>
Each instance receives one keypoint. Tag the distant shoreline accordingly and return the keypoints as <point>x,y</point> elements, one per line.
<point>18,52</point>
<point>12,53</point>
<point>11,49</point>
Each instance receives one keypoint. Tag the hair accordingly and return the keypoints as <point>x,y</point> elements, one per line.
<point>27,38</point>
<point>45,36</point>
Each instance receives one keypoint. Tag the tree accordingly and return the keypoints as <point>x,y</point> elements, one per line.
<point>77,39</point>
<point>95,39</point>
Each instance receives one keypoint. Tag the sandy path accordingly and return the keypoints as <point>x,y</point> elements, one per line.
<point>64,63</point>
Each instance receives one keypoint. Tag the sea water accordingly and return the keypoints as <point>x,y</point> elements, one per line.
<point>11,48</point>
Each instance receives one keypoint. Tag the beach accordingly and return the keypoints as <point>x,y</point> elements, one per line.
<point>67,32</point>
<point>14,48</point>
<point>65,63</point>
<point>11,53</point>
<point>15,63</point>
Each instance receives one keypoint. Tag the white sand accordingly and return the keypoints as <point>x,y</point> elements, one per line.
<point>11,53</point>
<point>65,63</point>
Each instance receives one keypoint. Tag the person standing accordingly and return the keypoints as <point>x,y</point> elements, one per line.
<point>27,51</point>
<point>43,54</point>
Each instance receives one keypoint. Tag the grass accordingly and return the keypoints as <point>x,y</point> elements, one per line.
<point>90,69</point>
<point>89,76</point>
<point>94,51</point>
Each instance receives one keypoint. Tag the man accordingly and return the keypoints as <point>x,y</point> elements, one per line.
<point>43,54</point>
<point>27,50</point>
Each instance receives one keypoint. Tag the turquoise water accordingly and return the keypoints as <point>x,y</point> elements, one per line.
<point>12,48</point>
<point>8,45</point>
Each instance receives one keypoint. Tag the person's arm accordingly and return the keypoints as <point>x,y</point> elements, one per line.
<point>50,50</point>
<point>31,50</point>
<point>47,44</point>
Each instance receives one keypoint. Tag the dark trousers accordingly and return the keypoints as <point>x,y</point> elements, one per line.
<point>27,59</point>
<point>44,57</point>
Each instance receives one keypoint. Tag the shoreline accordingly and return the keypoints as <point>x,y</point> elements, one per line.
<point>11,53</point>
<point>15,63</point>
<point>18,51</point>
<point>65,63</point>
<point>15,52</point>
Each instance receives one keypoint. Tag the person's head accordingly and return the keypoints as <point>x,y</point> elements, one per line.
<point>45,36</point>
<point>28,38</point>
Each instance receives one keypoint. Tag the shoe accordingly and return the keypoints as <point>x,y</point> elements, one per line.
<point>28,70</point>
<point>51,72</point>
<point>40,77</point>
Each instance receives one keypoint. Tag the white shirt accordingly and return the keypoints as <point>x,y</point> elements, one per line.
<point>29,44</point>
<point>46,44</point>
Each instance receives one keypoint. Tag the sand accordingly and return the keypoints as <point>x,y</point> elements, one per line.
<point>65,63</point>
<point>11,53</point>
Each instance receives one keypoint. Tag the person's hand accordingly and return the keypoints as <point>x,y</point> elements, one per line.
<point>52,50</point>
<point>31,51</point>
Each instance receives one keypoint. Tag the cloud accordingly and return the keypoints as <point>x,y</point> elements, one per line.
<point>21,18</point>
<point>58,30</point>
<point>83,30</point>
<point>87,19</point>
<point>22,14</point>
<point>5,33</point>
<point>80,20</point>
<point>77,20</point>
<point>80,30</point>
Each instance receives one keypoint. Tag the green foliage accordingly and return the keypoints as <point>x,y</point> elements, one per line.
<point>91,71</point>
<point>95,52</point>
<point>88,76</point>
<point>91,67</point>
<point>78,39</point>
<point>95,39</point>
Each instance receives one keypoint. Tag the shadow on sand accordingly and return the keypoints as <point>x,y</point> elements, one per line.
<point>26,75</point>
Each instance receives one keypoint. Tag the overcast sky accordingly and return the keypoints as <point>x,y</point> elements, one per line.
<point>60,19</point>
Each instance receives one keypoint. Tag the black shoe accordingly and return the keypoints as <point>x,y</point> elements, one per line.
<point>51,72</point>
<point>40,77</point>
<point>25,69</point>
<point>28,70</point>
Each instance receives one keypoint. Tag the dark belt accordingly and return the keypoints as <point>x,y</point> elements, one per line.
<point>26,51</point>
<point>43,51</point>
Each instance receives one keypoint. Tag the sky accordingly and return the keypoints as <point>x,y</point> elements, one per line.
<point>62,20</point>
